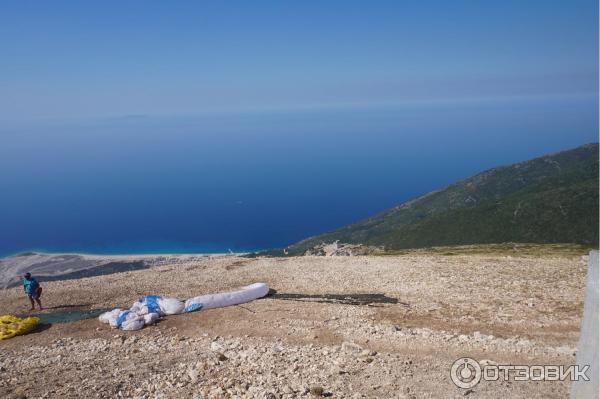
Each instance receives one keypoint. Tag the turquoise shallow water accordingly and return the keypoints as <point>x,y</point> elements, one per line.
<point>69,316</point>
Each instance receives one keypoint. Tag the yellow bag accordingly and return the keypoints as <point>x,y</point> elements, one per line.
<point>11,326</point>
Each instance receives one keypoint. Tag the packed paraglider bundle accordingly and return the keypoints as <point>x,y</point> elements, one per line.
<point>11,326</point>
<point>148,309</point>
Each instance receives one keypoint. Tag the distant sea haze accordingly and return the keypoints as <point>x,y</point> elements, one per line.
<point>256,180</point>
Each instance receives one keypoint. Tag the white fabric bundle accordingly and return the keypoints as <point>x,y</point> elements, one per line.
<point>144,311</point>
<point>148,309</point>
<point>110,317</point>
<point>150,318</point>
<point>243,295</point>
<point>127,320</point>
<point>130,321</point>
<point>171,306</point>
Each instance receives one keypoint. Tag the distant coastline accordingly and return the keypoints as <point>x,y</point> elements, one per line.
<point>69,266</point>
<point>134,251</point>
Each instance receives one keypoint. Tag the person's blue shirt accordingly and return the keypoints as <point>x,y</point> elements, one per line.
<point>30,285</point>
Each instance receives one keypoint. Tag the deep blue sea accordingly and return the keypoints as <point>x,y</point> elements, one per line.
<point>254,180</point>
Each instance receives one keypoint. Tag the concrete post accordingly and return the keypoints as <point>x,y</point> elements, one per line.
<point>587,353</point>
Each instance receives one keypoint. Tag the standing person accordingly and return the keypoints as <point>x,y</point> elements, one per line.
<point>33,290</point>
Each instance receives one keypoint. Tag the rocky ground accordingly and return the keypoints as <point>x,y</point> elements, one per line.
<point>343,327</point>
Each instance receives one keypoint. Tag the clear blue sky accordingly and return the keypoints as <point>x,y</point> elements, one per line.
<point>63,59</point>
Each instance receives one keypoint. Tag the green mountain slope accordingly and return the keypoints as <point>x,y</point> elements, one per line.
<point>550,199</point>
